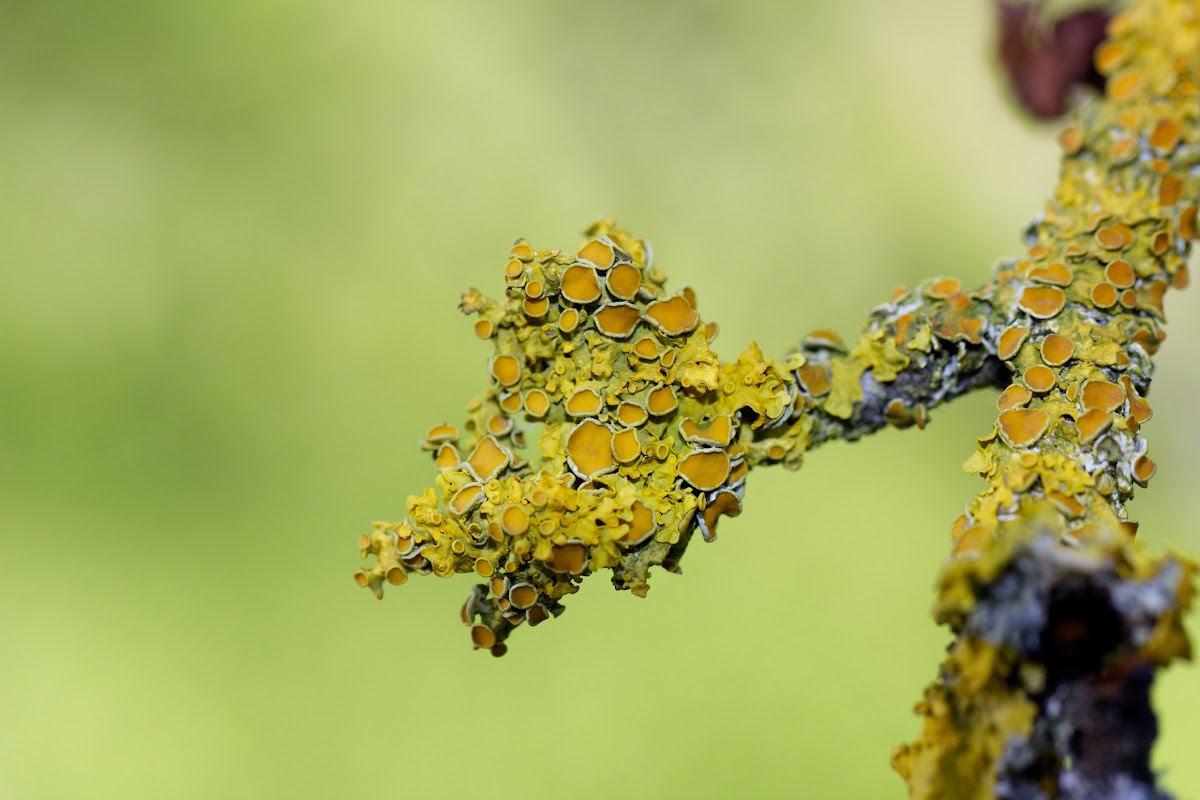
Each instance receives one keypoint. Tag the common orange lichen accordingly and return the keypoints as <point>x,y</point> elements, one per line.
<point>623,281</point>
<point>580,285</point>
<point>617,320</point>
<point>1039,378</point>
<point>506,369</point>
<point>1042,302</point>
<point>598,252</point>
<point>1011,340</point>
<point>1014,396</point>
<point>584,403</point>
<point>673,317</point>
<point>1056,350</point>
<point>589,449</point>
<point>705,469</point>
<point>631,414</point>
<point>1057,273</point>
<point>1104,395</point>
<point>1104,295</point>
<point>1021,427</point>
<point>1092,423</point>
<point>625,446</point>
<point>1120,274</point>
<point>646,437</point>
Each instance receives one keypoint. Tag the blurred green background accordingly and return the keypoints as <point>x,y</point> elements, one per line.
<point>232,239</point>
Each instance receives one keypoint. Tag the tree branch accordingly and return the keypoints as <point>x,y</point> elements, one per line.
<point>647,438</point>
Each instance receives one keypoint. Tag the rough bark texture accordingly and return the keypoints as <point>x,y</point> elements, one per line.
<point>647,438</point>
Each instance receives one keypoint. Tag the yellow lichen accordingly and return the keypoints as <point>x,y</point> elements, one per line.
<point>646,439</point>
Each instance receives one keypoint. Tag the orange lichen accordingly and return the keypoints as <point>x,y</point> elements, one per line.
<point>724,503</point>
<point>1143,470</point>
<point>1109,56</point>
<point>536,309</point>
<point>717,433</point>
<point>1071,140</point>
<point>641,524</point>
<point>537,403</point>
<point>1187,223</point>
<point>1042,302</point>
<point>598,252</point>
<point>1116,237</point>
<point>815,379</point>
<point>896,412</point>
<point>617,320</point>
<point>510,403</point>
<point>1104,295</point>
<point>1166,135</point>
<point>623,281</point>
<point>584,403</point>
<point>1104,395</point>
<point>1056,350</point>
<point>825,339</point>
<point>1014,396</point>
<point>705,469</point>
<point>521,250</point>
<point>1011,340</point>
<point>506,369</point>
<point>439,434</point>
<point>1039,378</point>
<point>570,557</point>
<point>661,401</point>
<point>674,316</point>
<point>580,284</point>
<point>1069,506</point>
<point>1170,189</point>
<point>1092,423</point>
<point>523,595</point>
<point>568,320</point>
<point>646,348</point>
<point>631,414</point>
<point>943,288</point>
<point>588,511</point>
<point>1021,427</point>
<point>466,498</point>
<point>1125,85</point>
<point>482,636</point>
<point>1120,274</point>
<point>514,520</point>
<point>625,446</point>
<point>589,449</point>
<point>1056,273</point>
<point>447,457</point>
<point>488,459</point>
<point>1139,409</point>
<point>645,440</point>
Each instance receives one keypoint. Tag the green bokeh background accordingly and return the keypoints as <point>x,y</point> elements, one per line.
<point>232,239</point>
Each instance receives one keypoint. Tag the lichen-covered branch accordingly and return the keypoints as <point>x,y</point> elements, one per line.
<point>1045,692</point>
<point>610,433</point>
<point>1060,621</point>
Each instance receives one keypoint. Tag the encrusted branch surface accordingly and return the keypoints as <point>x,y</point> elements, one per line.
<point>610,433</point>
